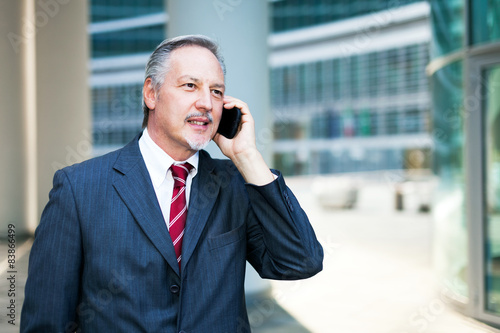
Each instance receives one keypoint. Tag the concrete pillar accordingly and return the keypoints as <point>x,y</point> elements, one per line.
<point>63,98</point>
<point>12,173</point>
<point>45,102</point>
<point>241,28</point>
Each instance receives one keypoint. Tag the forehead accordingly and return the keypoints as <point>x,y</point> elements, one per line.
<point>195,59</point>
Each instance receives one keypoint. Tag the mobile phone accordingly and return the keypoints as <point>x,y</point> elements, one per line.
<point>229,122</point>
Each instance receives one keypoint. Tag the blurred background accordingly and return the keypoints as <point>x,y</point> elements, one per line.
<point>384,116</point>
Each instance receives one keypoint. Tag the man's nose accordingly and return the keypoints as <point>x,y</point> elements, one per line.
<point>204,101</point>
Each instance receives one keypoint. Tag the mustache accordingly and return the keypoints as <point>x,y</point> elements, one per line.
<point>200,114</point>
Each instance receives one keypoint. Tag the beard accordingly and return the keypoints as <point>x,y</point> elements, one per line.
<point>197,145</point>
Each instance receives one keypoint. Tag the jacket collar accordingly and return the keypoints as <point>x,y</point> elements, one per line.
<point>133,184</point>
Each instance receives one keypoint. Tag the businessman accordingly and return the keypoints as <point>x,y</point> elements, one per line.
<point>154,236</point>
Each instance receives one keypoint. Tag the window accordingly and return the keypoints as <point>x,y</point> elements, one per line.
<point>412,121</point>
<point>392,122</point>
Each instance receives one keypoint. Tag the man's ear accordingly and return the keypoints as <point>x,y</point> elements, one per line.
<point>149,94</point>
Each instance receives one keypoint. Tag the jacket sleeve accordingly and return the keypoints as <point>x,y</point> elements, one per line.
<point>52,287</point>
<point>281,243</point>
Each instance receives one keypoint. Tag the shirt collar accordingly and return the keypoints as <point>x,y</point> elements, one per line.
<point>158,161</point>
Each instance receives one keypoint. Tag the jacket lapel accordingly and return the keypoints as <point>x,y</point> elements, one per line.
<point>133,184</point>
<point>204,192</point>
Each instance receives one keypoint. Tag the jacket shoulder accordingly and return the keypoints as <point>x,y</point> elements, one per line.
<point>103,162</point>
<point>128,154</point>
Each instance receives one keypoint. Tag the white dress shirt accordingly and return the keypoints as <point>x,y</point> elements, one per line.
<point>158,163</point>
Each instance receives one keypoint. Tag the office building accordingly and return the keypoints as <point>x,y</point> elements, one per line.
<point>465,77</point>
<point>349,90</point>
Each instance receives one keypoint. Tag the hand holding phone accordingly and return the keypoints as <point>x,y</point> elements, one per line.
<point>242,150</point>
<point>229,122</point>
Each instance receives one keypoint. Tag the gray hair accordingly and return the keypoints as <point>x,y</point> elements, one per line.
<point>158,64</point>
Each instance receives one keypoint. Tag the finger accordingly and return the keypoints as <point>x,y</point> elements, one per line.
<point>231,102</point>
<point>242,106</point>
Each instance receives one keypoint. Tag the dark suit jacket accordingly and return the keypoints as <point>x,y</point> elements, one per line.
<point>103,261</point>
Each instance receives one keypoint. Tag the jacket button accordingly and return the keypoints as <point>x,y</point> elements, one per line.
<point>174,289</point>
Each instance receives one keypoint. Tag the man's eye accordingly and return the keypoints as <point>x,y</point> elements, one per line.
<point>217,92</point>
<point>189,85</point>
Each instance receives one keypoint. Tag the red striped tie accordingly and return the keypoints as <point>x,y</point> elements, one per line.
<point>178,207</point>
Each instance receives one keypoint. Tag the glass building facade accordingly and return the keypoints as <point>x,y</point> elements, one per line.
<point>351,95</point>
<point>296,14</point>
<point>348,98</point>
<point>464,72</point>
<point>123,34</point>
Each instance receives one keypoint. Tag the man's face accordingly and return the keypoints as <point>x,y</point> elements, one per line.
<point>186,110</point>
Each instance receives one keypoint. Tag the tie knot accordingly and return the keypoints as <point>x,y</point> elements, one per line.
<point>180,173</point>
